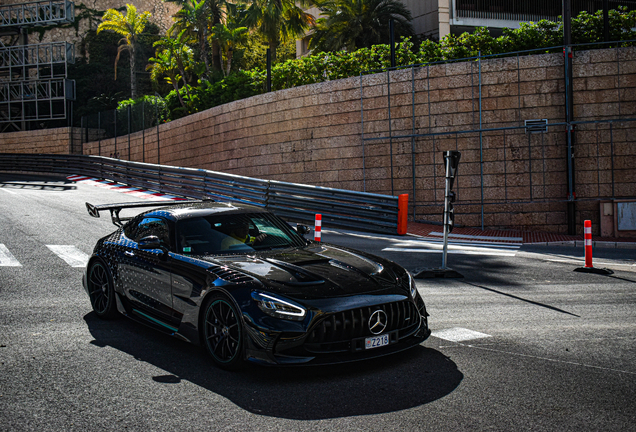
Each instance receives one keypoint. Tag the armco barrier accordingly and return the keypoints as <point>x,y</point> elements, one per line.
<point>293,202</point>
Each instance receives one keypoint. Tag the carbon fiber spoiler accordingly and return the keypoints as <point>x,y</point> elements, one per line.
<point>114,209</point>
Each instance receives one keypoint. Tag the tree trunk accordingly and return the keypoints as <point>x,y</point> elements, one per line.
<point>204,54</point>
<point>133,81</point>
<point>230,53</point>
<point>176,89</point>
<point>185,83</point>
<point>217,55</point>
<point>273,45</point>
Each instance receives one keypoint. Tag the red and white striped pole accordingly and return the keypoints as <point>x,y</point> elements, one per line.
<point>588,243</point>
<point>318,227</point>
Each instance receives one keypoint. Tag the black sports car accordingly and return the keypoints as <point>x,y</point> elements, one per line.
<point>245,285</point>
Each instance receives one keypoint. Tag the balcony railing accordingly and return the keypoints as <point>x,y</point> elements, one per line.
<point>528,10</point>
<point>37,13</point>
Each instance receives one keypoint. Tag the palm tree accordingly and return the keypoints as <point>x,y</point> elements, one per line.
<point>197,17</point>
<point>230,33</point>
<point>277,20</point>
<point>353,24</point>
<point>162,64</point>
<point>180,56</point>
<point>130,26</point>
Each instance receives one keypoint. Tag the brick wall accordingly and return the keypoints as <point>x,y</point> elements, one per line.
<point>53,141</point>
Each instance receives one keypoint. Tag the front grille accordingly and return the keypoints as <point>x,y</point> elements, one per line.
<point>335,332</point>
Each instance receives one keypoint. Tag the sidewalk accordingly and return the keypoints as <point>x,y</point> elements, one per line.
<point>431,231</point>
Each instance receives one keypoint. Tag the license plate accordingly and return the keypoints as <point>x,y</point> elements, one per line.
<point>376,341</point>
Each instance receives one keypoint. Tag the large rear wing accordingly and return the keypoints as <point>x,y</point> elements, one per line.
<point>114,209</point>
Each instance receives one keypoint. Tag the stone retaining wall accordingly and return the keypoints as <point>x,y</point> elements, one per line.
<point>313,134</point>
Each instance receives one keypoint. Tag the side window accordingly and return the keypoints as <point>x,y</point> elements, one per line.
<point>150,226</point>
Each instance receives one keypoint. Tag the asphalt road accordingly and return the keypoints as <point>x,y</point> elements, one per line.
<point>522,342</point>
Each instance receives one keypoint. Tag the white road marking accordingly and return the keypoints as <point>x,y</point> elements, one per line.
<point>471,251</point>
<point>467,236</point>
<point>7,259</point>
<point>8,191</point>
<point>458,334</point>
<point>454,243</point>
<point>73,256</point>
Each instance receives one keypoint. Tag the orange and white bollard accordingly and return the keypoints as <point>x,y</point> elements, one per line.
<point>589,268</point>
<point>318,227</point>
<point>587,226</point>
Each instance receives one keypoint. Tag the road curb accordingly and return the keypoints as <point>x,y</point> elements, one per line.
<point>581,243</point>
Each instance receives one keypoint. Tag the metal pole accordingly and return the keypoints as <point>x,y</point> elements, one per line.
<point>157,117</point>
<point>364,178</point>
<point>413,137</point>
<point>143,130</point>
<point>99,133</point>
<point>567,53</point>
<point>269,70</point>
<point>446,193</point>
<point>392,36</point>
<point>388,90</point>
<point>115,116</point>
<point>606,28</point>
<point>128,112</point>
<point>481,147</point>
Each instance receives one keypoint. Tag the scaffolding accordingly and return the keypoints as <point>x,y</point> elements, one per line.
<point>36,62</point>
<point>33,77</point>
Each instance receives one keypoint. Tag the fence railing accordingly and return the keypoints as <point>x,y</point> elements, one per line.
<point>506,165</point>
<point>293,202</point>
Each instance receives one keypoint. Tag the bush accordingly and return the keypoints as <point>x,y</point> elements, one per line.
<point>586,28</point>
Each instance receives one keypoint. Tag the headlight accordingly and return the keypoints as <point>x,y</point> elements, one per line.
<point>279,308</point>
<point>412,285</point>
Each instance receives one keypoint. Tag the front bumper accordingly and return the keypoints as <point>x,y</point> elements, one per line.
<point>290,349</point>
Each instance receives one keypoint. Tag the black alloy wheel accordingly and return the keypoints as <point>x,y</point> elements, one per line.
<point>101,291</point>
<point>222,332</point>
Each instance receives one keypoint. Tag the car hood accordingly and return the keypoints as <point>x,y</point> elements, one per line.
<point>320,271</point>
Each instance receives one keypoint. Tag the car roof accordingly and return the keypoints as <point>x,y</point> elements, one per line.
<point>202,209</point>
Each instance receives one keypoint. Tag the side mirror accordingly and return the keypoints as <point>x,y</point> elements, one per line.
<point>302,229</point>
<point>150,242</point>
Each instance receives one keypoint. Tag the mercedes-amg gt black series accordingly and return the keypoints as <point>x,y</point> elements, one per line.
<point>245,285</point>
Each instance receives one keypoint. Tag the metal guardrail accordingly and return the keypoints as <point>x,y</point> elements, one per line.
<point>293,202</point>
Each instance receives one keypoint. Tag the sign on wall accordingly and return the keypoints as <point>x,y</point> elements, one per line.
<point>626,214</point>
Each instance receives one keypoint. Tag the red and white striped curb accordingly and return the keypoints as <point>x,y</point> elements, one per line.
<point>127,189</point>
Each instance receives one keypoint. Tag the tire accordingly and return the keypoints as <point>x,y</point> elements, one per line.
<point>222,333</point>
<point>101,290</point>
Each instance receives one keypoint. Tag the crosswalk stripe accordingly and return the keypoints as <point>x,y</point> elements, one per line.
<point>73,256</point>
<point>7,259</point>
<point>458,334</point>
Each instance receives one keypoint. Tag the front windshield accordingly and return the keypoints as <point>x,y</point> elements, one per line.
<point>235,233</point>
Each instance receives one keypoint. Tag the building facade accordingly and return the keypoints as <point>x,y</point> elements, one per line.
<point>438,18</point>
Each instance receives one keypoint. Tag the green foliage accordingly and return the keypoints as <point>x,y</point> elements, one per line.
<point>351,24</point>
<point>239,85</point>
<point>150,103</point>
<point>248,75</point>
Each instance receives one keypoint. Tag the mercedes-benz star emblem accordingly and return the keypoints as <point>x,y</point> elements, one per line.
<point>377,322</point>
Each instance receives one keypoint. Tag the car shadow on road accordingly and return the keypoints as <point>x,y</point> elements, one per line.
<point>412,378</point>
